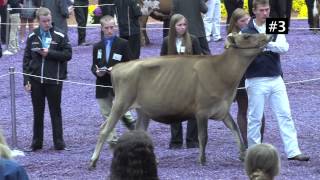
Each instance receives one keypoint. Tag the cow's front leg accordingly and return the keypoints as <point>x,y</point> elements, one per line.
<point>202,123</point>
<point>105,131</point>
<point>229,122</point>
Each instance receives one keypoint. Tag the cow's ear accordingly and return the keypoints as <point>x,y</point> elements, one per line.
<point>230,41</point>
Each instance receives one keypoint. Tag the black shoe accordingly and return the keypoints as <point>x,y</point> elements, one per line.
<point>130,124</point>
<point>61,149</point>
<point>175,146</point>
<point>192,145</point>
<point>84,44</point>
<point>32,149</point>
<point>300,157</point>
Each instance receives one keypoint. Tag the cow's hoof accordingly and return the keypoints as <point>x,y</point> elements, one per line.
<point>202,161</point>
<point>92,166</point>
<point>242,156</point>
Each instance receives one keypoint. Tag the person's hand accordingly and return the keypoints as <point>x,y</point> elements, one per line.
<point>43,52</point>
<point>27,87</point>
<point>70,9</point>
<point>100,73</point>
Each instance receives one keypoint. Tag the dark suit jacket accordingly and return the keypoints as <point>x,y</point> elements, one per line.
<point>195,46</point>
<point>119,47</point>
<point>191,9</point>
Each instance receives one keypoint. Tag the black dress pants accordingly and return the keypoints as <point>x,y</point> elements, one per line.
<point>232,5</point>
<point>81,15</point>
<point>310,14</point>
<point>176,133</point>
<point>53,94</point>
<point>134,45</point>
<point>3,14</point>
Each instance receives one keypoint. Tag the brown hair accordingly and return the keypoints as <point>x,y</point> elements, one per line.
<point>236,15</point>
<point>186,39</point>
<point>262,162</point>
<point>134,158</point>
<point>260,2</point>
<point>43,12</point>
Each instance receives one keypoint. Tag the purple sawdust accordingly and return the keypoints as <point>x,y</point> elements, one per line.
<point>81,119</point>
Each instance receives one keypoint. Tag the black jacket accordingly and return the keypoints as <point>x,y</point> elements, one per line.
<point>128,9</point>
<point>266,64</point>
<point>119,46</point>
<point>196,49</point>
<point>15,4</point>
<point>54,65</point>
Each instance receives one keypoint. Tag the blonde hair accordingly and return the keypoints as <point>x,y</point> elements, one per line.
<point>186,39</point>
<point>43,12</point>
<point>105,19</point>
<point>236,15</point>
<point>5,151</point>
<point>262,162</point>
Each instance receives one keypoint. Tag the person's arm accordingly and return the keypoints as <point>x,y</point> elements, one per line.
<point>62,54</point>
<point>203,7</point>
<point>135,8</point>
<point>280,45</point>
<point>26,62</point>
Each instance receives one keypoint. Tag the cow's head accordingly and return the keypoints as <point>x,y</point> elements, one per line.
<point>248,41</point>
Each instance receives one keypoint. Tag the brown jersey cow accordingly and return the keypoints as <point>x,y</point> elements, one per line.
<point>173,88</point>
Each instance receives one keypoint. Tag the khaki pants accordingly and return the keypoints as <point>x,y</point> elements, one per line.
<point>13,45</point>
<point>105,105</point>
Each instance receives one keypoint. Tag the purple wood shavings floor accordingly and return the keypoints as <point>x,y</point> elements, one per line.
<point>81,120</point>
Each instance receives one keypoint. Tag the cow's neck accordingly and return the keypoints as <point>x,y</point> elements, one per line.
<point>236,61</point>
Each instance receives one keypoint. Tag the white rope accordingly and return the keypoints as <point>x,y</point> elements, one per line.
<point>71,82</point>
<point>86,84</point>
<point>303,81</point>
<point>4,75</point>
<point>98,5</point>
<point>294,82</point>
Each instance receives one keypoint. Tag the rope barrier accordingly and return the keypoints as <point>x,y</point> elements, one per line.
<point>87,84</point>
<point>67,81</point>
<point>4,75</point>
<point>97,5</point>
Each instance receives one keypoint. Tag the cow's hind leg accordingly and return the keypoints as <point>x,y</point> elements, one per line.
<point>142,121</point>
<point>118,109</point>
<point>229,122</point>
<point>202,123</point>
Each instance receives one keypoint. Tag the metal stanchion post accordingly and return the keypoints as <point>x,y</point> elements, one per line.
<point>13,107</point>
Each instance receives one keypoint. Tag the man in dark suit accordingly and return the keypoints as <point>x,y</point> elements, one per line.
<point>110,51</point>
<point>46,55</point>
<point>192,9</point>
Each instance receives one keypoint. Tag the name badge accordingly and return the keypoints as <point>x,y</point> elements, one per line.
<point>117,57</point>
<point>99,54</point>
<point>182,49</point>
<point>48,40</point>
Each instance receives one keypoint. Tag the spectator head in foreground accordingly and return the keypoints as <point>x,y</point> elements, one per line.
<point>262,162</point>
<point>133,158</point>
